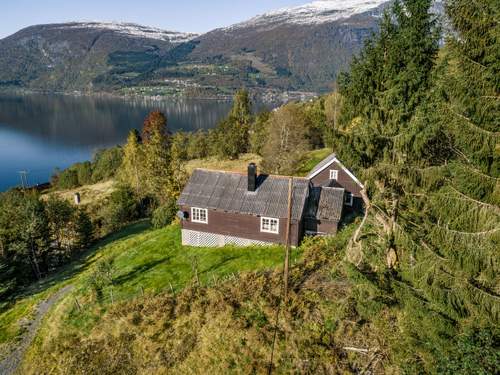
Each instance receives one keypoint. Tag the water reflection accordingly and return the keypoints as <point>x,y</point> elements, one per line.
<point>41,132</point>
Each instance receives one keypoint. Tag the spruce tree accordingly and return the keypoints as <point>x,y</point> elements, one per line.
<point>158,166</point>
<point>426,140</point>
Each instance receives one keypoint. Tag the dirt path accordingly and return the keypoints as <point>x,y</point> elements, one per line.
<point>10,364</point>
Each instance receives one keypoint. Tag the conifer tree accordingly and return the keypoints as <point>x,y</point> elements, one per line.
<point>428,143</point>
<point>158,165</point>
<point>458,264</point>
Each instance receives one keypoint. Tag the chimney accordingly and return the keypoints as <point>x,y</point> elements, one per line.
<point>252,177</point>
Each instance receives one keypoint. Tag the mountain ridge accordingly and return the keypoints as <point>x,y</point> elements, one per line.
<point>300,48</point>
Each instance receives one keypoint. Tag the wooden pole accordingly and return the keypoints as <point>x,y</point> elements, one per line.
<point>288,230</point>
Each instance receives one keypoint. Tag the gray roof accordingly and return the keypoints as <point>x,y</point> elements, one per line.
<point>322,164</point>
<point>227,191</point>
<point>325,203</point>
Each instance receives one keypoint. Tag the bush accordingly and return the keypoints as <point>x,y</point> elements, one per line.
<point>106,163</point>
<point>164,215</point>
<point>67,179</point>
<point>84,172</point>
<point>122,208</point>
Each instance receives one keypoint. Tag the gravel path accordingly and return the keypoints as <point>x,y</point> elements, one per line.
<point>10,364</point>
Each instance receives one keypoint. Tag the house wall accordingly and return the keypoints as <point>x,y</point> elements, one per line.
<point>321,226</point>
<point>344,180</point>
<point>242,226</point>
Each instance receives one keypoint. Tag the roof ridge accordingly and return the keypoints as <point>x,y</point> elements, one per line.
<point>244,174</point>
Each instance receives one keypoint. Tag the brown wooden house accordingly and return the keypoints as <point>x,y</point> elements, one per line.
<point>220,208</point>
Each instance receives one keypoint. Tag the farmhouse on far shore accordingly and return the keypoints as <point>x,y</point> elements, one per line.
<point>219,208</point>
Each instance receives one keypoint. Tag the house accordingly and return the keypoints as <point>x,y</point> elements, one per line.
<point>219,208</point>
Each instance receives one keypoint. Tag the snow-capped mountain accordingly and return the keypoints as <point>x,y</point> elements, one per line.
<point>133,30</point>
<point>296,48</point>
<point>317,12</point>
<point>305,46</point>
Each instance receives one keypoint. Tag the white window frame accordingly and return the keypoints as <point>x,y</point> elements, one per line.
<point>351,201</point>
<point>196,216</point>
<point>268,228</point>
<point>334,174</point>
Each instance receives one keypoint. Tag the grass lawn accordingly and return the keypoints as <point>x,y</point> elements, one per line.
<point>311,159</point>
<point>155,259</point>
<point>143,261</point>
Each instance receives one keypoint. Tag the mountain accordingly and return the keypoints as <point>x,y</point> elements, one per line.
<point>299,48</point>
<point>76,56</point>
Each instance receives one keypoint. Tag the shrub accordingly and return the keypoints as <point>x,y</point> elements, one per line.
<point>67,179</point>
<point>106,163</point>
<point>122,208</point>
<point>165,214</point>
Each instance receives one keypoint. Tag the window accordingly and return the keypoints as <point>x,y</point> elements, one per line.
<point>269,225</point>
<point>348,199</point>
<point>334,174</point>
<point>199,215</point>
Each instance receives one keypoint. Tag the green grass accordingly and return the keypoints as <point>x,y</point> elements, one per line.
<point>155,259</point>
<point>311,159</point>
<point>143,261</point>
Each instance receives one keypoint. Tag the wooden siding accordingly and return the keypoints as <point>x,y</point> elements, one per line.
<point>343,180</point>
<point>244,226</point>
<point>320,226</point>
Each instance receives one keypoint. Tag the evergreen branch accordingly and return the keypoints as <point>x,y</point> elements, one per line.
<point>491,231</point>
<point>474,62</point>
<point>427,247</point>
<point>477,171</point>
<point>469,121</point>
<point>482,291</point>
<point>466,197</point>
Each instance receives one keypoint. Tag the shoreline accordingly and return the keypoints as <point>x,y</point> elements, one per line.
<point>266,97</point>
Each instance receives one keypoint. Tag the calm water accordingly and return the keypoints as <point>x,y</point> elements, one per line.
<point>41,132</point>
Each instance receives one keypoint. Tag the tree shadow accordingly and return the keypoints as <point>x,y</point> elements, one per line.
<point>80,262</point>
<point>223,262</point>
<point>139,270</point>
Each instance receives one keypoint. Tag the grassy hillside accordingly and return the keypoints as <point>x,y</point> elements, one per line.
<point>226,328</point>
<point>138,260</point>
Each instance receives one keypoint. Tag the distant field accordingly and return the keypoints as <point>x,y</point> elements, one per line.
<point>238,165</point>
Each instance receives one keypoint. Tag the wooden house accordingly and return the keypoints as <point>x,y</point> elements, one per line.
<point>219,208</point>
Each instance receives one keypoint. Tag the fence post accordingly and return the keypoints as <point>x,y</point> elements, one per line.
<point>78,305</point>
<point>111,295</point>
<point>142,290</point>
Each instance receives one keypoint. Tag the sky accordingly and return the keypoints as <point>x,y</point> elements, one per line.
<point>178,15</point>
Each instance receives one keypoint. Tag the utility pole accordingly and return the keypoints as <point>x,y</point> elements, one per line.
<point>287,245</point>
<point>24,179</point>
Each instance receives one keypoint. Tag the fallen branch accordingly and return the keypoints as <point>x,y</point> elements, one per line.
<point>357,350</point>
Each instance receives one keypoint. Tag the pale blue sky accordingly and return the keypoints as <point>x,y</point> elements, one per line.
<point>180,15</point>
